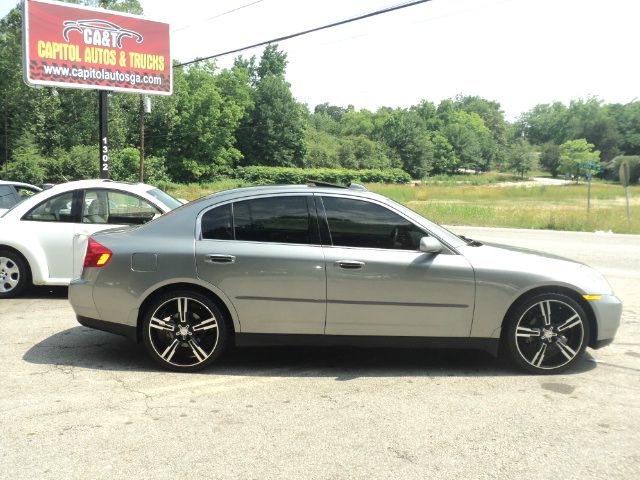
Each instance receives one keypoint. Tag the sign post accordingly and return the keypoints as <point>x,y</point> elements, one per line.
<point>625,173</point>
<point>67,46</point>
<point>590,167</point>
<point>103,109</point>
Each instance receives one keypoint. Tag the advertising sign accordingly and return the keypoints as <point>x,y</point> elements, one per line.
<point>81,47</point>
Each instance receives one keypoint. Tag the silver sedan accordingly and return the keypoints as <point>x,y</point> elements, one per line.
<point>321,265</point>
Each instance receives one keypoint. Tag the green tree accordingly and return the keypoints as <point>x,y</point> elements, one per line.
<point>522,158</point>
<point>627,123</point>
<point>589,120</point>
<point>471,140</point>
<point>550,158</point>
<point>26,163</point>
<point>272,130</point>
<point>545,123</point>
<point>444,157</point>
<point>404,133</point>
<point>574,154</point>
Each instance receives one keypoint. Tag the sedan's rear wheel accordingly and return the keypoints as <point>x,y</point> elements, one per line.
<point>547,333</point>
<point>184,331</point>
<point>13,274</point>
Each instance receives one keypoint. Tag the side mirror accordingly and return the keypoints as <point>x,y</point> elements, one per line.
<point>430,245</point>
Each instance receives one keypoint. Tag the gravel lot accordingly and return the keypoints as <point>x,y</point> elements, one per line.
<point>77,403</point>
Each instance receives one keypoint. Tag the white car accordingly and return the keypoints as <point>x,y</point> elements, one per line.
<point>43,239</point>
<point>15,192</point>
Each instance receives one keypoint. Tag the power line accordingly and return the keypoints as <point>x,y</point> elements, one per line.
<point>306,32</point>
<point>216,16</point>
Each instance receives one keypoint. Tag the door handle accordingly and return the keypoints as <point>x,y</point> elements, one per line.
<point>218,258</point>
<point>350,264</point>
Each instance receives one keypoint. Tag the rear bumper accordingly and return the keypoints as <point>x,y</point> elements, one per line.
<point>117,328</point>
<point>81,298</point>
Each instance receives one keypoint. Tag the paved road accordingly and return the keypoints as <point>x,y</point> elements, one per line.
<point>77,403</point>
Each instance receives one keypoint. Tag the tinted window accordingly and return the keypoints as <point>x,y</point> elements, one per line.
<point>217,223</point>
<point>274,219</point>
<point>7,198</point>
<point>356,223</point>
<point>116,208</point>
<point>56,209</point>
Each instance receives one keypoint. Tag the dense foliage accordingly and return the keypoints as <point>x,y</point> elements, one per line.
<point>341,176</point>
<point>222,122</point>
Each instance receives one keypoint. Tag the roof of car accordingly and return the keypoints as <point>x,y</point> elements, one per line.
<point>319,187</point>
<point>106,183</point>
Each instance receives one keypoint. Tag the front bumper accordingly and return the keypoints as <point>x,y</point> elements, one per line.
<point>608,311</point>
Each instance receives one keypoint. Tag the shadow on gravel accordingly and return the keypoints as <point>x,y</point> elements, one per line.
<point>86,348</point>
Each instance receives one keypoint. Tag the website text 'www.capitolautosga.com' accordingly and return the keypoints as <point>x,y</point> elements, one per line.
<point>102,74</point>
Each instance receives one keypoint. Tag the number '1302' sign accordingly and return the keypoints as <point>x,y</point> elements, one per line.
<point>104,157</point>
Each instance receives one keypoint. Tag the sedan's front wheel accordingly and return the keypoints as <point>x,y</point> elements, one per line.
<point>184,331</point>
<point>547,333</point>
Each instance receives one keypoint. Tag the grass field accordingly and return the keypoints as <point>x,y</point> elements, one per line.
<point>459,201</point>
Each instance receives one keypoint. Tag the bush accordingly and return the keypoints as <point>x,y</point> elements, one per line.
<point>281,175</point>
<point>26,165</point>
<point>79,163</point>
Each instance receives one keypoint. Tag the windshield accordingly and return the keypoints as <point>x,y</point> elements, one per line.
<point>165,198</point>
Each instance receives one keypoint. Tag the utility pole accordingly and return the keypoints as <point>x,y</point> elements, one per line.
<point>141,138</point>
<point>145,107</point>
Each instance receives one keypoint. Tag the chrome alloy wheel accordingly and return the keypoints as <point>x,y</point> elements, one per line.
<point>549,334</point>
<point>9,275</point>
<point>183,332</point>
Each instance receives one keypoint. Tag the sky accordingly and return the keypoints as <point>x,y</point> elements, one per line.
<point>516,52</point>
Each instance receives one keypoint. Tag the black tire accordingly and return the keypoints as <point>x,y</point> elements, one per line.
<point>14,274</point>
<point>547,333</point>
<point>185,342</point>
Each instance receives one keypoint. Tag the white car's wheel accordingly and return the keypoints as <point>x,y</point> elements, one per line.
<point>14,274</point>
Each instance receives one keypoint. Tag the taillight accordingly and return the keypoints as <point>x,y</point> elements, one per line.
<point>97,255</point>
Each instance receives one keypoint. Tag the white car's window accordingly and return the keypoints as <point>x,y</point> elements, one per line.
<point>55,209</point>
<point>7,198</point>
<point>116,208</point>
<point>25,192</point>
<point>165,198</point>
<point>356,223</point>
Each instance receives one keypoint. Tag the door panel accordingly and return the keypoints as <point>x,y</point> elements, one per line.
<point>398,293</point>
<point>275,288</point>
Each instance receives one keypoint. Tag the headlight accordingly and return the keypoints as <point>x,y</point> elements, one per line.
<point>593,282</point>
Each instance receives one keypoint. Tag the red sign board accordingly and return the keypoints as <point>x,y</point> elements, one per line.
<point>81,47</point>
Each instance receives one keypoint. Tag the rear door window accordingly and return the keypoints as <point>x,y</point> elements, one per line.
<point>279,219</point>
<point>55,209</point>
<point>273,219</point>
